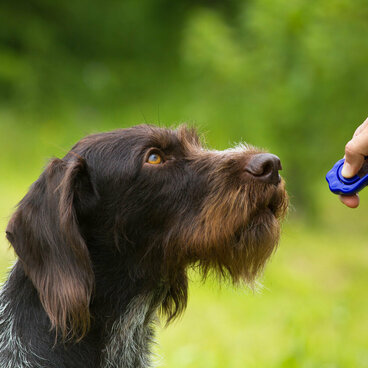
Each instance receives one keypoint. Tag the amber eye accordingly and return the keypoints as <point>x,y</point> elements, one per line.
<point>154,159</point>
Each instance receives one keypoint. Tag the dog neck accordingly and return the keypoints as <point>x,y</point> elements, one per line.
<point>131,336</point>
<point>121,337</point>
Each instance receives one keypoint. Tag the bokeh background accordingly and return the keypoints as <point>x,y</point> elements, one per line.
<point>291,76</point>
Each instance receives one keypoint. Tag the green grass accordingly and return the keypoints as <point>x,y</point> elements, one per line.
<point>311,312</point>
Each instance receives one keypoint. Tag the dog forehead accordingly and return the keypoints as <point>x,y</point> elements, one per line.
<point>134,140</point>
<point>167,139</point>
<point>150,135</point>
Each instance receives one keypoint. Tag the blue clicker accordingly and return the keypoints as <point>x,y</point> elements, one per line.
<point>340,185</point>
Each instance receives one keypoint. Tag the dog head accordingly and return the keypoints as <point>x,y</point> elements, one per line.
<point>151,202</point>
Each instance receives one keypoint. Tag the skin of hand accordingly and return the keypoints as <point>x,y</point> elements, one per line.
<point>355,150</point>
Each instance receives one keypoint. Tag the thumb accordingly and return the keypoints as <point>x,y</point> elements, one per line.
<point>349,170</point>
<point>355,150</point>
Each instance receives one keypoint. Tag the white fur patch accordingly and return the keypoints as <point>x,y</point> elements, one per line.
<point>14,354</point>
<point>131,336</point>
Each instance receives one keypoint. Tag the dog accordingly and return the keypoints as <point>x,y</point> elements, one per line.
<point>105,237</point>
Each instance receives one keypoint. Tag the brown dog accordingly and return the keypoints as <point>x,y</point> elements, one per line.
<point>105,237</point>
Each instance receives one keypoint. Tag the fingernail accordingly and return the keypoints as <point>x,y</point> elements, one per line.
<point>347,170</point>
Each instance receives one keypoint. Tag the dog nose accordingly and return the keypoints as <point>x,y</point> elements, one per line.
<point>265,168</point>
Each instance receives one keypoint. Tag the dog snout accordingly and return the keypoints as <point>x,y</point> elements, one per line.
<point>264,167</point>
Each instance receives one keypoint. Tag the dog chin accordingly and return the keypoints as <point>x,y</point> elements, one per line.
<point>263,225</point>
<point>278,202</point>
<point>251,247</point>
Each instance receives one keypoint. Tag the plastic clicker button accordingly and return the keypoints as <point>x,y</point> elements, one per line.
<point>341,185</point>
<point>352,180</point>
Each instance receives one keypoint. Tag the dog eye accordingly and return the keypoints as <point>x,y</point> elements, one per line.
<point>154,159</point>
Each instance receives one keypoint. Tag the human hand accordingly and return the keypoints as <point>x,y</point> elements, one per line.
<point>355,151</point>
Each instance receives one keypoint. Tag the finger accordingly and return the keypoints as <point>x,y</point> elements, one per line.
<point>361,127</point>
<point>355,151</point>
<point>350,201</point>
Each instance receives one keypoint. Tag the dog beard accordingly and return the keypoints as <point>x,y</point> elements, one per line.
<point>234,235</point>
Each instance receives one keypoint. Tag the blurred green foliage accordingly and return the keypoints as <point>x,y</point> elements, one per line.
<point>288,75</point>
<point>291,76</point>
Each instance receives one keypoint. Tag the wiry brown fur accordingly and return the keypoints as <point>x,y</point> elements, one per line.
<point>236,230</point>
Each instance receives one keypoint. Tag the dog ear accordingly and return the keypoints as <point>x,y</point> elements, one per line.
<point>45,234</point>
